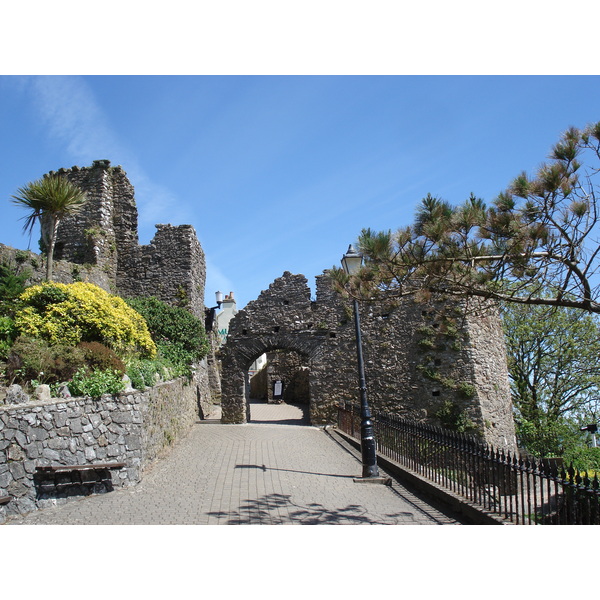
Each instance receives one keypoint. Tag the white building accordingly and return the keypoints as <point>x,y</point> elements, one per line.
<point>228,311</point>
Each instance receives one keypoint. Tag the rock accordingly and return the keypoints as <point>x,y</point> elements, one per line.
<point>42,392</point>
<point>63,391</point>
<point>128,386</point>
<point>16,395</point>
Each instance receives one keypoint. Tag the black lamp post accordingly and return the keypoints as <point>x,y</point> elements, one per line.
<point>351,262</point>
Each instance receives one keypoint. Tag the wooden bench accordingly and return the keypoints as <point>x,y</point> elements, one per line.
<point>68,468</point>
<point>5,499</point>
<point>74,479</point>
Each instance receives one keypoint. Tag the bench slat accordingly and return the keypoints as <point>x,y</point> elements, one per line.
<point>66,468</point>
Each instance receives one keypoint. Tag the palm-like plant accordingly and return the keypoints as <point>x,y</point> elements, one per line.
<point>49,200</point>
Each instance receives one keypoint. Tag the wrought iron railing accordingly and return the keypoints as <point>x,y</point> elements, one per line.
<point>522,490</point>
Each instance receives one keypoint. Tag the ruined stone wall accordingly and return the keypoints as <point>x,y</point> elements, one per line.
<point>105,234</point>
<point>258,385</point>
<point>281,317</point>
<point>172,268</point>
<point>439,363</point>
<point>90,237</point>
<point>63,271</point>
<point>292,370</point>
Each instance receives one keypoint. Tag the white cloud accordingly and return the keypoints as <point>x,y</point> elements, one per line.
<point>72,116</point>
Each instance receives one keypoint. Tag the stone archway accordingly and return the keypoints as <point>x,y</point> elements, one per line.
<point>281,318</point>
<point>236,359</point>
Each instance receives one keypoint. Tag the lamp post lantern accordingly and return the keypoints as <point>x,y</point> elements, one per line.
<point>351,262</point>
<point>210,312</point>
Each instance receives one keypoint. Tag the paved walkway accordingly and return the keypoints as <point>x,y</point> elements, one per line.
<point>274,470</point>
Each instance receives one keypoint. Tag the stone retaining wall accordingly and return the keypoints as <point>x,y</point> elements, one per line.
<point>134,428</point>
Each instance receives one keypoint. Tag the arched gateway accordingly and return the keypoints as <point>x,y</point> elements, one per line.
<point>417,365</point>
<point>235,384</point>
<point>282,318</point>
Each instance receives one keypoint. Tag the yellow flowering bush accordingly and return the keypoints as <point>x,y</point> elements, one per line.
<point>82,312</point>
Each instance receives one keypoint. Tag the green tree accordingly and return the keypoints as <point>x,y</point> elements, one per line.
<point>537,244</point>
<point>48,201</point>
<point>554,359</point>
<point>554,370</point>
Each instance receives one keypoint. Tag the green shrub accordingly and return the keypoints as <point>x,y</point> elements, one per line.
<point>8,330</point>
<point>8,334</point>
<point>67,360</point>
<point>176,357</point>
<point>12,284</point>
<point>33,359</point>
<point>145,372</point>
<point>547,436</point>
<point>82,312</point>
<point>173,326</point>
<point>5,349</point>
<point>46,296</point>
<point>136,376</point>
<point>96,383</point>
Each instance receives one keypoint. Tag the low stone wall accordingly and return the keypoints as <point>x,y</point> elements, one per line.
<point>133,428</point>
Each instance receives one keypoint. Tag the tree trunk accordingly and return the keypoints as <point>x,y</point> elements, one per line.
<point>51,243</point>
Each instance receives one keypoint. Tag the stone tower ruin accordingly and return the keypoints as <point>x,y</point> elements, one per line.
<point>104,236</point>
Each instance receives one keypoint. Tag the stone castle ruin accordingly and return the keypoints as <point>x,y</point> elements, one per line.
<point>105,236</point>
<point>436,363</point>
<point>442,364</point>
<point>100,245</point>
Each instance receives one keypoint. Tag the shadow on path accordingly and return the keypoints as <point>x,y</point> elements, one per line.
<point>278,509</point>
<point>265,469</point>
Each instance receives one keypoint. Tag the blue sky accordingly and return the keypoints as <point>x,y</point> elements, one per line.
<point>279,160</point>
<point>281,173</point>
